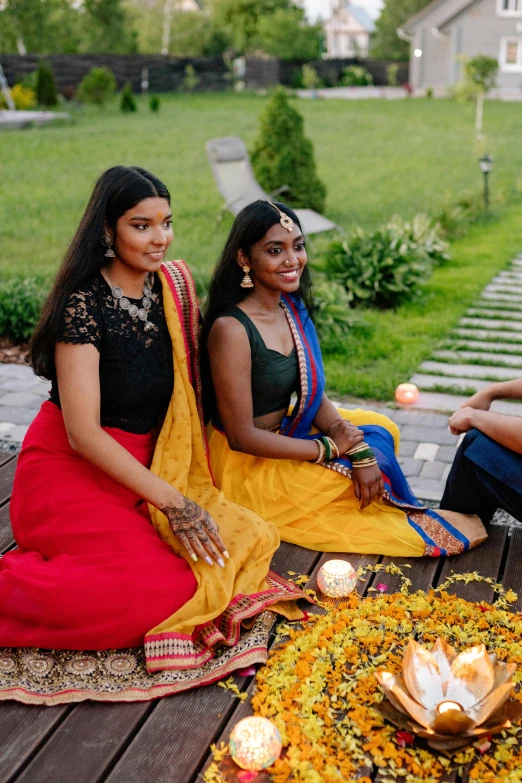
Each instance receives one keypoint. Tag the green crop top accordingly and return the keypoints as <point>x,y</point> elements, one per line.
<point>274,376</point>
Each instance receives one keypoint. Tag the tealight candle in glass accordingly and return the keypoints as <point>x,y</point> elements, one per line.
<point>406,393</point>
<point>336,578</point>
<point>255,743</point>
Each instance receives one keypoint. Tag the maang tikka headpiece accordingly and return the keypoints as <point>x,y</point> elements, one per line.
<point>285,220</point>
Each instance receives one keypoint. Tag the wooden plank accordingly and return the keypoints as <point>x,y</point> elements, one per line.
<point>486,559</point>
<point>6,480</point>
<point>5,456</point>
<point>422,573</point>
<point>179,731</point>
<point>513,572</point>
<point>6,533</point>
<point>87,743</point>
<point>23,730</point>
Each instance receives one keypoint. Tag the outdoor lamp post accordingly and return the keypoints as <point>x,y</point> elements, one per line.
<point>486,164</point>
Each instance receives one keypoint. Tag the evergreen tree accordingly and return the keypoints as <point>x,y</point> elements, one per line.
<point>46,93</point>
<point>128,102</point>
<point>284,156</point>
<point>386,42</point>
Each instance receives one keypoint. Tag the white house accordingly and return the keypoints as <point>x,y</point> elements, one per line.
<point>348,30</point>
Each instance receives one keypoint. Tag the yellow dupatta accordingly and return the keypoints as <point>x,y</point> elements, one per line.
<point>226,597</point>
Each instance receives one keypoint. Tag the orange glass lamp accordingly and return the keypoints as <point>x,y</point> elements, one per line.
<point>336,578</point>
<point>255,743</point>
<point>450,699</point>
<point>406,393</point>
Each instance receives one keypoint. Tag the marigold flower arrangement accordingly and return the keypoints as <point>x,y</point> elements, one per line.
<point>320,688</point>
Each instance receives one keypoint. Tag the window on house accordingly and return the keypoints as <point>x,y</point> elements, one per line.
<point>511,54</point>
<point>509,7</point>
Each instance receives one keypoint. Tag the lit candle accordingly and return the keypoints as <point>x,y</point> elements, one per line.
<point>336,578</point>
<point>446,706</point>
<point>406,393</point>
<point>255,743</point>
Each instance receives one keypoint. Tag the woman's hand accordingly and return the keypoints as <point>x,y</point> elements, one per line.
<point>344,435</point>
<point>367,484</point>
<point>197,531</point>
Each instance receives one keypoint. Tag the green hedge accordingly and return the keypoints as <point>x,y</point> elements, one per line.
<point>21,300</point>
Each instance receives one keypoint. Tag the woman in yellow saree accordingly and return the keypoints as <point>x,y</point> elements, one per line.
<point>329,479</point>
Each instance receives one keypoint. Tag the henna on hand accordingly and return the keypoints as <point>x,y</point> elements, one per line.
<point>196,530</point>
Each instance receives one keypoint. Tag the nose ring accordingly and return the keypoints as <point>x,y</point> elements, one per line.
<point>286,262</point>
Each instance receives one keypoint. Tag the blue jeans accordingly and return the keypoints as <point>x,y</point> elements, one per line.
<point>484,476</point>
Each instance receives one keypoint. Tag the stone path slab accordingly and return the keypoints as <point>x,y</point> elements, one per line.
<point>472,371</point>
<point>496,359</point>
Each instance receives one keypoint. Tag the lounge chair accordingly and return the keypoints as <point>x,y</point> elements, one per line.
<point>237,184</point>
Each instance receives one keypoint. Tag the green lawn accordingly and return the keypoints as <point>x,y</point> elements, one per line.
<point>377,158</point>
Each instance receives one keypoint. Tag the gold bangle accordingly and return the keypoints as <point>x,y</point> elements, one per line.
<point>333,448</point>
<point>357,448</point>
<point>322,450</point>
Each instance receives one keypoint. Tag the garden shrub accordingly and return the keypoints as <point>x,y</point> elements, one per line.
<point>282,155</point>
<point>392,72</point>
<point>154,103</point>
<point>356,76</point>
<point>46,93</point>
<point>387,267</point>
<point>23,98</point>
<point>310,77</point>
<point>456,217</point>
<point>97,87</point>
<point>429,92</point>
<point>191,79</point>
<point>128,102</point>
<point>21,300</point>
<point>333,317</point>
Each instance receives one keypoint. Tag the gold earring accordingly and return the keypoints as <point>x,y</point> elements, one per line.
<point>247,281</point>
<point>107,241</point>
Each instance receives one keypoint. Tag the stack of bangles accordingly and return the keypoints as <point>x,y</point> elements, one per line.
<point>362,456</point>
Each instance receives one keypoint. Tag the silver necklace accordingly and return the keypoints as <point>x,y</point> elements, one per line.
<point>133,310</point>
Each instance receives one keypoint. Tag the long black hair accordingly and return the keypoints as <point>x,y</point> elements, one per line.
<point>250,226</point>
<point>118,189</point>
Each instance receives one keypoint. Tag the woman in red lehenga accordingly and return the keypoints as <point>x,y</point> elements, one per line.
<point>92,575</point>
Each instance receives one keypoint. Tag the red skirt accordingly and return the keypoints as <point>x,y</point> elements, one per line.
<point>90,571</point>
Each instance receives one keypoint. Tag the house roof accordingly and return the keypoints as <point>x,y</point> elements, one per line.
<point>362,16</point>
<point>359,13</point>
<point>454,7</point>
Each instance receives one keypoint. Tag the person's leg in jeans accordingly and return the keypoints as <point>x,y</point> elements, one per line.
<point>472,490</point>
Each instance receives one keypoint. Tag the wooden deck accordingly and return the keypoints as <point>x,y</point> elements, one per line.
<point>168,741</point>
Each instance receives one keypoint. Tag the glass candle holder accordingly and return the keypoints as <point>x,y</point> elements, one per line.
<point>255,743</point>
<point>336,578</point>
<point>406,393</point>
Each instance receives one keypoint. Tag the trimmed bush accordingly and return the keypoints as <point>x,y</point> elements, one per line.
<point>128,102</point>
<point>282,155</point>
<point>190,79</point>
<point>20,303</point>
<point>387,267</point>
<point>154,103</point>
<point>392,71</point>
<point>333,318</point>
<point>310,77</point>
<point>97,87</point>
<point>46,93</point>
<point>356,76</point>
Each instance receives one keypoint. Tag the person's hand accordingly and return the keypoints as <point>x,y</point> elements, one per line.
<point>345,435</point>
<point>367,484</point>
<point>480,401</point>
<point>462,420</point>
<point>197,531</point>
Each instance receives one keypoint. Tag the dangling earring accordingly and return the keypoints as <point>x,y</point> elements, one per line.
<point>107,241</point>
<point>247,281</point>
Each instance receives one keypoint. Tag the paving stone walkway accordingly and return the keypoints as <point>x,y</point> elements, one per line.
<point>485,346</point>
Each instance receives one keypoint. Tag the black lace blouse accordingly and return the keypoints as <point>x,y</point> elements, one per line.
<point>136,367</point>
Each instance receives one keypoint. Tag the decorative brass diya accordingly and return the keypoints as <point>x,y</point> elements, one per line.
<point>450,699</point>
